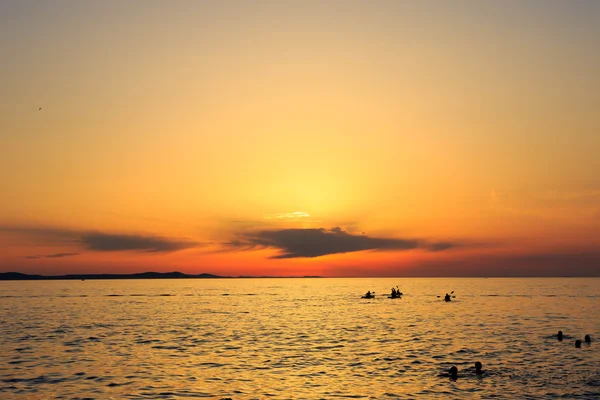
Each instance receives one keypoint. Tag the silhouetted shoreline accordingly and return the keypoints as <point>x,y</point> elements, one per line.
<point>17,276</point>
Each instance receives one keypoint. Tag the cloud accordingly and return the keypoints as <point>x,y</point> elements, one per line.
<point>295,243</point>
<point>441,246</point>
<point>60,255</point>
<point>293,216</point>
<point>510,265</point>
<point>43,235</point>
<point>57,255</point>
<point>555,202</point>
<point>98,241</point>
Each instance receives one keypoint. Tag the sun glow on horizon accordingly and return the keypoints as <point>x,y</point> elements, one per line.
<point>333,138</point>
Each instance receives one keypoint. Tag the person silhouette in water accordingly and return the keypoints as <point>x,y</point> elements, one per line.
<point>453,372</point>
<point>588,339</point>
<point>478,369</point>
<point>394,293</point>
<point>447,297</point>
<point>578,343</point>
<point>559,336</point>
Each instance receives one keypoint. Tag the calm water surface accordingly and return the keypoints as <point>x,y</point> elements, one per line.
<point>298,338</point>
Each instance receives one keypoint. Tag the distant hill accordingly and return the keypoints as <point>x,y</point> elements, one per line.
<point>17,276</point>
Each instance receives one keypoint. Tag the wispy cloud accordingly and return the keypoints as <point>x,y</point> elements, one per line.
<point>60,255</point>
<point>295,243</point>
<point>566,263</point>
<point>550,202</point>
<point>56,255</point>
<point>98,241</point>
<point>43,234</point>
<point>292,216</point>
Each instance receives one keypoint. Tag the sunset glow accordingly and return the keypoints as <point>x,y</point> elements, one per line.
<point>300,138</point>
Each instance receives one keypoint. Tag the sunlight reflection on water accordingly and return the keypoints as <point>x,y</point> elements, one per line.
<point>297,338</point>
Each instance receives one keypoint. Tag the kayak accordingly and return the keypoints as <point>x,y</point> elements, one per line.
<point>367,297</point>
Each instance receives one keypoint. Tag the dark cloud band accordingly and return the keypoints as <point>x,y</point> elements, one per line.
<point>113,242</point>
<point>295,243</point>
<point>56,255</point>
<point>60,255</point>
<point>98,241</point>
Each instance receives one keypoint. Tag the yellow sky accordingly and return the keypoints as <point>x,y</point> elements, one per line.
<point>468,123</point>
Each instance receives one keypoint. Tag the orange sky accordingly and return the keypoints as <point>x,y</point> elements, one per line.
<point>300,138</point>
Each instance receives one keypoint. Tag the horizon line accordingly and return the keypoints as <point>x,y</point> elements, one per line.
<point>14,275</point>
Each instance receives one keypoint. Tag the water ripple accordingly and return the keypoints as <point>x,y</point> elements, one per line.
<point>253,339</point>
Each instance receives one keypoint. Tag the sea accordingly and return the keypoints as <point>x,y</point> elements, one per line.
<point>304,338</point>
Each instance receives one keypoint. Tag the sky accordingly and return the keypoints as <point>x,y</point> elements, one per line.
<point>293,138</point>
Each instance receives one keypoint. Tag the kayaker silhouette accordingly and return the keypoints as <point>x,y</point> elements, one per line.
<point>368,295</point>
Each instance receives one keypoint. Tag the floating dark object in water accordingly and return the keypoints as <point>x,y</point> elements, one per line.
<point>447,296</point>
<point>453,372</point>
<point>478,369</point>
<point>587,339</point>
<point>559,336</point>
<point>578,343</point>
<point>396,293</point>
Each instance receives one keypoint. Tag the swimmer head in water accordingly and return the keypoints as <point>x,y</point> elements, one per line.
<point>453,372</point>
<point>478,369</point>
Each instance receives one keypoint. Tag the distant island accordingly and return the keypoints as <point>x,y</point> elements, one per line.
<point>17,276</point>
